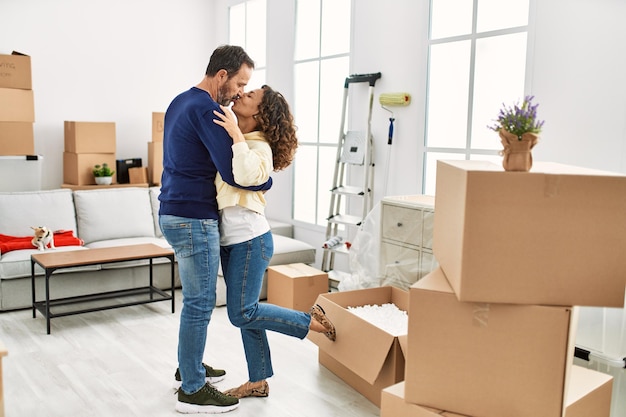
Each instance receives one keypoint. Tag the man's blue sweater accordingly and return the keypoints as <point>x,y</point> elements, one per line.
<point>194,150</point>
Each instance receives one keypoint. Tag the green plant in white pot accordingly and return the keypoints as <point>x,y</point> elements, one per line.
<point>103,174</point>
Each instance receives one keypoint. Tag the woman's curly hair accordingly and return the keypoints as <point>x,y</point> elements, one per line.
<point>275,121</point>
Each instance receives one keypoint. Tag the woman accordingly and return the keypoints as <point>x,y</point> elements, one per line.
<point>264,140</point>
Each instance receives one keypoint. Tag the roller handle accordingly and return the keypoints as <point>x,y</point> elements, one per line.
<point>391,120</point>
<point>361,78</point>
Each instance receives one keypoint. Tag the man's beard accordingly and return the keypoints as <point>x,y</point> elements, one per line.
<point>222,96</point>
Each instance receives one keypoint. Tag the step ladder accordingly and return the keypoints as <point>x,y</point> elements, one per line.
<point>350,201</point>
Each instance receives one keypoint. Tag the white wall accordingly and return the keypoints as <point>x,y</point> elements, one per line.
<point>578,76</point>
<point>119,61</point>
<point>392,40</point>
<point>106,60</point>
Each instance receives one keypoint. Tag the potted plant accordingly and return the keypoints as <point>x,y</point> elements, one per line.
<point>103,174</point>
<point>519,130</point>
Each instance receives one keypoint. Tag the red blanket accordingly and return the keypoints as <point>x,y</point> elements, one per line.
<point>61,238</point>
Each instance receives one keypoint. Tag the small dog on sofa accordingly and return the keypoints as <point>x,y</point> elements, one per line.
<point>43,238</point>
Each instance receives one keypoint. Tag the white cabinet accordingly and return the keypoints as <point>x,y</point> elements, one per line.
<point>406,253</point>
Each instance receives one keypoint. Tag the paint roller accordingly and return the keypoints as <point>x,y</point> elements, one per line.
<point>393,99</point>
<point>389,100</point>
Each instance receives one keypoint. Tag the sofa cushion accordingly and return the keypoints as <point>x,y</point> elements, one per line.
<point>291,251</point>
<point>51,208</point>
<point>156,204</point>
<point>16,264</point>
<point>113,213</point>
<point>159,241</point>
<point>280,228</point>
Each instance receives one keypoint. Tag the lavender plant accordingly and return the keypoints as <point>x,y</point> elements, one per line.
<point>518,119</point>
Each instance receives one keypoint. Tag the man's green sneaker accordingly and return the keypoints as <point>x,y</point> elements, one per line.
<point>212,375</point>
<point>207,400</point>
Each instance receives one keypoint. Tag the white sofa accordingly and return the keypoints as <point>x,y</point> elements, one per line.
<point>101,218</point>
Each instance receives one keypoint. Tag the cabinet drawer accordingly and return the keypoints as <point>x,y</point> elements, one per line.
<point>428,263</point>
<point>428,225</point>
<point>400,266</point>
<point>402,224</point>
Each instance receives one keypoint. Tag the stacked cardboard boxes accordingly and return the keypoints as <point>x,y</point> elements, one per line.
<point>155,149</point>
<point>17,105</point>
<point>492,330</point>
<point>87,144</point>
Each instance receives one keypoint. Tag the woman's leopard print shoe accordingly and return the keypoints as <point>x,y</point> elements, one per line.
<point>318,313</point>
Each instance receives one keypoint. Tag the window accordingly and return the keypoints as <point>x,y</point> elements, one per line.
<point>247,28</point>
<point>321,65</point>
<point>477,61</point>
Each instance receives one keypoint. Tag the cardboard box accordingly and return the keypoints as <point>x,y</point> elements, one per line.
<point>155,162</point>
<point>157,126</point>
<point>138,175</point>
<point>488,360</point>
<point>15,71</point>
<point>17,105</point>
<point>365,356</point>
<point>295,286</point>
<point>551,236</point>
<point>588,394</point>
<point>78,167</point>
<point>90,137</point>
<point>393,404</point>
<point>17,138</point>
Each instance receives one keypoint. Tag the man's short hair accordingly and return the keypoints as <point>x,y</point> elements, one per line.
<point>229,58</point>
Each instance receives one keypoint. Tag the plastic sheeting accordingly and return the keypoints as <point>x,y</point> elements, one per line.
<point>393,259</point>
<point>364,256</point>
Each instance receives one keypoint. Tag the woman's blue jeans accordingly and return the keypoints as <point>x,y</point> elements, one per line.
<point>196,243</point>
<point>244,265</point>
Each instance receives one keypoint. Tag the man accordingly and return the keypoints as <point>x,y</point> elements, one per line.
<point>194,150</point>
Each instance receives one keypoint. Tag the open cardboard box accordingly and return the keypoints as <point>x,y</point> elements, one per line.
<point>365,356</point>
<point>488,360</point>
<point>551,236</point>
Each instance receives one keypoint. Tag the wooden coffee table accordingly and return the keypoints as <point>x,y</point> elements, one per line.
<point>54,260</point>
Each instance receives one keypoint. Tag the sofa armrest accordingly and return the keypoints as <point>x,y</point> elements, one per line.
<point>281,228</point>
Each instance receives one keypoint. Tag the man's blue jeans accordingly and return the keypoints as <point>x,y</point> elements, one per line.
<point>196,244</point>
<point>244,265</point>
